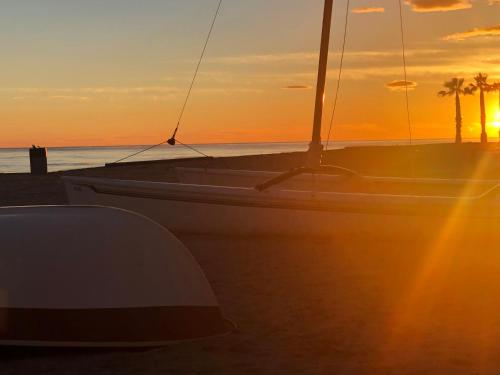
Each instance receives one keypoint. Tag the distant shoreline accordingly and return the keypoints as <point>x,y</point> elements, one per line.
<point>69,158</point>
<point>354,156</point>
<point>402,140</point>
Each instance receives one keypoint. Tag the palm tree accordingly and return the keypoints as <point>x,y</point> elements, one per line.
<point>481,84</point>
<point>455,88</point>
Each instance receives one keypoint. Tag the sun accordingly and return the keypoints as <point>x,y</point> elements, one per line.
<point>496,119</point>
<point>495,122</point>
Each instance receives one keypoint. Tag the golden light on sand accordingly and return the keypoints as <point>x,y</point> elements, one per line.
<point>412,319</point>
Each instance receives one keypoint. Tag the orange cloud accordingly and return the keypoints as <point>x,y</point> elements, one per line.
<point>438,5</point>
<point>364,10</point>
<point>475,33</point>
<point>494,2</point>
<point>401,85</point>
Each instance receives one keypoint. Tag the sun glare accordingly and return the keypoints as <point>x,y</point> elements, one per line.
<point>496,119</point>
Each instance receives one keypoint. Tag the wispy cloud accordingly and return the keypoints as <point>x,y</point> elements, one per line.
<point>147,93</point>
<point>84,94</point>
<point>308,57</point>
<point>423,65</point>
<point>93,90</point>
<point>398,85</point>
<point>426,65</point>
<point>475,33</point>
<point>438,5</point>
<point>494,2</point>
<point>297,87</point>
<point>493,61</point>
<point>299,57</point>
<point>364,10</point>
<point>70,98</point>
<point>291,71</point>
<point>130,90</point>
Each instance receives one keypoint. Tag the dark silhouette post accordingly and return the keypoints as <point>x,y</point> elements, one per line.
<point>38,160</point>
<point>315,147</point>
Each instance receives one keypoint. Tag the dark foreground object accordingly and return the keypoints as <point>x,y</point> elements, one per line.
<point>38,160</point>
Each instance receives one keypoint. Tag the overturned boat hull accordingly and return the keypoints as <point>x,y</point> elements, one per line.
<point>116,327</point>
<point>98,277</point>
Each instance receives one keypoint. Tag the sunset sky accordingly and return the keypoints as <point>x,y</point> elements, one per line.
<point>116,72</point>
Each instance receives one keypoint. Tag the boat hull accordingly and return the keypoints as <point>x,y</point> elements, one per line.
<point>98,277</point>
<point>118,327</point>
<point>242,211</point>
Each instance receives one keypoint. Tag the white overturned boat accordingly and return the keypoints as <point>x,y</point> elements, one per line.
<point>340,206</point>
<point>95,276</point>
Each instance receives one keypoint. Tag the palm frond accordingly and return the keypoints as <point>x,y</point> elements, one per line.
<point>481,81</point>
<point>471,89</point>
<point>492,87</point>
<point>450,85</point>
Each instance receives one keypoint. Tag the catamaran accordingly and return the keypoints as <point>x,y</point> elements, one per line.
<point>309,200</point>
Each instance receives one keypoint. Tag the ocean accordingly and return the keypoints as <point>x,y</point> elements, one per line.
<point>16,160</point>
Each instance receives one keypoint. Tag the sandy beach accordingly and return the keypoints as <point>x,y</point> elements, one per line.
<point>316,305</point>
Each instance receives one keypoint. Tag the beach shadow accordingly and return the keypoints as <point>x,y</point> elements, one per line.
<point>12,353</point>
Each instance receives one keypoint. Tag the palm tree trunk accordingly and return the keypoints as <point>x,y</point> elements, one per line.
<point>458,120</point>
<point>484,136</point>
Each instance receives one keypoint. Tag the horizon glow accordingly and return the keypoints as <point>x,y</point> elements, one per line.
<point>116,72</point>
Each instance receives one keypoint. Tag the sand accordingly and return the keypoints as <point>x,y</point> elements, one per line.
<point>311,305</point>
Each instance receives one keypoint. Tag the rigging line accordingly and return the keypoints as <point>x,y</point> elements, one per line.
<point>187,96</point>
<point>193,149</point>
<point>410,130</point>
<point>216,15</point>
<point>337,91</point>
<point>139,152</point>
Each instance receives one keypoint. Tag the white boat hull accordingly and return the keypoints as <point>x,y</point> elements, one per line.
<point>245,211</point>
<point>96,276</point>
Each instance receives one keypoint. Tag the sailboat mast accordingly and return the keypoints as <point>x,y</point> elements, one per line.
<point>315,147</point>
